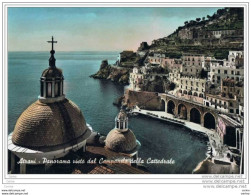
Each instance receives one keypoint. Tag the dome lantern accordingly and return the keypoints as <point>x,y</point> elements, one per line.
<point>121,121</point>
<point>52,81</point>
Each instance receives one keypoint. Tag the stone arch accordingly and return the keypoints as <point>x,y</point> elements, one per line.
<point>180,91</point>
<point>182,111</point>
<point>189,92</point>
<point>201,95</point>
<point>209,120</point>
<point>184,92</point>
<point>170,107</point>
<point>162,105</point>
<point>195,115</point>
<point>195,94</point>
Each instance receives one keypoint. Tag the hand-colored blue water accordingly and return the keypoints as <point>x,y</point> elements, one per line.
<point>95,97</point>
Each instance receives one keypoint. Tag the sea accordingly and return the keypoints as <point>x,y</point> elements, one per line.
<point>159,140</point>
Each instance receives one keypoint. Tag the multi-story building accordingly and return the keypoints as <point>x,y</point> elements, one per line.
<point>167,62</point>
<point>156,59</point>
<point>226,33</point>
<point>192,65</point>
<point>231,68</point>
<point>174,75</point>
<point>219,33</point>
<point>230,98</point>
<point>192,86</point>
<point>136,79</point>
<point>174,71</point>
<point>222,104</point>
<point>232,89</point>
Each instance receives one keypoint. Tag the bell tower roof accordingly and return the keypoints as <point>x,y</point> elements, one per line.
<point>52,80</point>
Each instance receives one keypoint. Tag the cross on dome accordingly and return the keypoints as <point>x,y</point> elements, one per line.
<point>52,60</point>
<point>52,41</point>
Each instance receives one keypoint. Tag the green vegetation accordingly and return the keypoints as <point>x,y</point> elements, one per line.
<point>221,54</point>
<point>201,40</point>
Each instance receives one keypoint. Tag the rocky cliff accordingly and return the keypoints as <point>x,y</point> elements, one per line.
<point>113,73</point>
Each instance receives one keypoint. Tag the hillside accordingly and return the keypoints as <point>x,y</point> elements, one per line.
<point>216,35</point>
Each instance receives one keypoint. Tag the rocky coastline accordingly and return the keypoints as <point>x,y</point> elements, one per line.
<point>112,72</point>
<point>174,46</point>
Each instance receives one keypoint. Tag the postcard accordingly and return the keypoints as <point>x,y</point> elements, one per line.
<point>126,91</point>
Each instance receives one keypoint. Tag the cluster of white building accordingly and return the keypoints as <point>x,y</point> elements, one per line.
<point>205,80</point>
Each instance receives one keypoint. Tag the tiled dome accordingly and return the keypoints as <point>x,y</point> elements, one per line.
<point>121,141</point>
<point>52,72</point>
<point>43,126</point>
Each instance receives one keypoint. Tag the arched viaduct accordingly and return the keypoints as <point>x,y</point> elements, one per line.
<point>190,111</point>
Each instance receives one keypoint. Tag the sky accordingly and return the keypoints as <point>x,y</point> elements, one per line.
<point>94,28</point>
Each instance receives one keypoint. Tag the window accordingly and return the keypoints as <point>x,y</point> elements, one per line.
<point>231,104</point>
<point>49,89</point>
<point>56,89</point>
<point>231,111</point>
<point>232,72</point>
<point>219,71</point>
<point>225,71</point>
<point>42,88</point>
